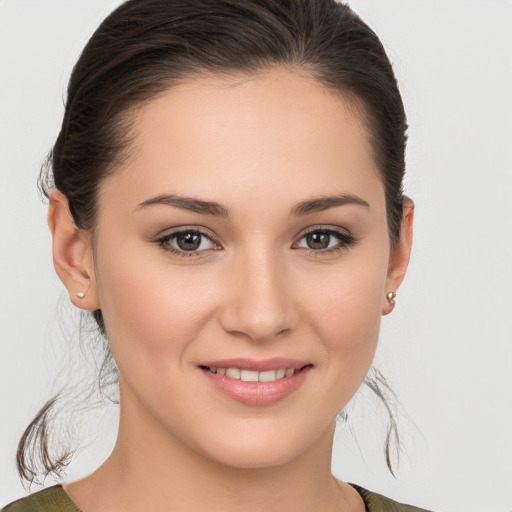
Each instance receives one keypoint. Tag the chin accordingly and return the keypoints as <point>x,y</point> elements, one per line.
<point>259,451</point>
<point>256,459</point>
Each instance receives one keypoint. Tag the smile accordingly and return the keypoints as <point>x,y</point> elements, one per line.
<point>253,375</point>
<point>256,383</point>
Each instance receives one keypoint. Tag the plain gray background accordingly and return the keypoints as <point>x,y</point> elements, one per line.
<point>447,348</point>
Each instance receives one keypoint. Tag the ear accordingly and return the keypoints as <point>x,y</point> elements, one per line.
<point>72,254</point>
<point>399,255</point>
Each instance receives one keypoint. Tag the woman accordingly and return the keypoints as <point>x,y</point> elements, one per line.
<point>226,200</point>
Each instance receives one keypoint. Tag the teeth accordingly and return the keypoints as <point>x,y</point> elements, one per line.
<point>254,376</point>
<point>249,376</point>
<point>267,376</point>
<point>234,373</point>
<point>280,373</point>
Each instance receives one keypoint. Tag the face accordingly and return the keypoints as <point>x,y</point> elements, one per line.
<point>246,237</point>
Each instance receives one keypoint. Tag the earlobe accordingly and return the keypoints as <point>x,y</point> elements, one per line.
<point>399,257</point>
<point>72,254</point>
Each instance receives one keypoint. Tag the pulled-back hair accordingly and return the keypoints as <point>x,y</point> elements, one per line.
<point>145,47</point>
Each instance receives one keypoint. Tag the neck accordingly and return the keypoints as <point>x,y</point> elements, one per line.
<point>150,470</point>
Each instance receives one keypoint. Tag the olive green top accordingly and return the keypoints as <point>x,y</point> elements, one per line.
<point>55,499</point>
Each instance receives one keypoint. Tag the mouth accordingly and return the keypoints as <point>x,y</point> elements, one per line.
<point>256,383</point>
<point>254,375</point>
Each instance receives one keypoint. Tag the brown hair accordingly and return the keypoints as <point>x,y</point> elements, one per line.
<point>146,46</point>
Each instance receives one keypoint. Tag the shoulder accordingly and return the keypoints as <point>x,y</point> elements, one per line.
<point>377,503</point>
<point>52,499</point>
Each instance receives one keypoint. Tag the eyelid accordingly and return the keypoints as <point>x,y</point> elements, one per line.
<point>185,227</point>
<point>344,236</point>
<point>345,240</point>
<point>324,227</point>
<point>164,237</point>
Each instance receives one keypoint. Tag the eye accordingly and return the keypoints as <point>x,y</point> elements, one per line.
<point>186,242</point>
<point>322,241</point>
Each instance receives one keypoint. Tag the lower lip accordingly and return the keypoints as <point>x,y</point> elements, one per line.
<point>257,393</point>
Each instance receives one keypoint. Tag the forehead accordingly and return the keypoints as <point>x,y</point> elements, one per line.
<point>279,132</point>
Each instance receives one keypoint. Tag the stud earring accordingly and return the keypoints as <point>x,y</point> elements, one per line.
<point>80,295</point>
<point>391,297</point>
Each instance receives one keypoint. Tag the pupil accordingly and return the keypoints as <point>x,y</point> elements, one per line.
<point>318,240</point>
<point>188,241</point>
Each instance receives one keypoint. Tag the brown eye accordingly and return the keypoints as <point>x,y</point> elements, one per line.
<point>318,240</point>
<point>188,241</point>
<point>326,241</point>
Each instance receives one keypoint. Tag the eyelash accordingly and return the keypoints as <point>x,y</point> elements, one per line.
<point>346,240</point>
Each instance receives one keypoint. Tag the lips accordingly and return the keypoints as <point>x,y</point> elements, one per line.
<point>256,383</point>
<point>253,375</point>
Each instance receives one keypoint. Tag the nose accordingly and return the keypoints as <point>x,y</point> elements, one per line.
<point>260,303</point>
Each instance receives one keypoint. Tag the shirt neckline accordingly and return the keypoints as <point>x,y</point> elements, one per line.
<point>75,508</point>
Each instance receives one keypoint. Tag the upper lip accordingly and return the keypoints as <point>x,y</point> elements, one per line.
<point>263,365</point>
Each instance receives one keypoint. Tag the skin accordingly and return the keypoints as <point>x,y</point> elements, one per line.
<point>258,146</point>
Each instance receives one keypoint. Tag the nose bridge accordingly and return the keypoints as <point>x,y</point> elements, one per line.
<point>261,305</point>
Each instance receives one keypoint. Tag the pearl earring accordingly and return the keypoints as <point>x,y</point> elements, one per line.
<point>391,297</point>
<point>80,295</point>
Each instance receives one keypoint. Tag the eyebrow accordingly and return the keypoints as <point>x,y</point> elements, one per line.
<point>300,209</point>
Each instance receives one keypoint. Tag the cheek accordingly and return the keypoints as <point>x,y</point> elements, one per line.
<point>348,307</point>
<point>346,313</point>
<point>352,316</point>
<point>151,308</point>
